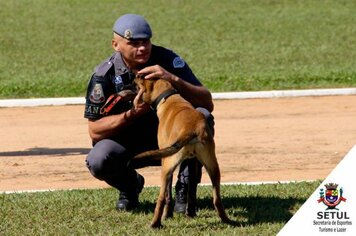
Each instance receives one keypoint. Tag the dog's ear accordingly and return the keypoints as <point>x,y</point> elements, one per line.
<point>145,87</point>
<point>138,98</point>
<point>140,88</point>
<point>138,81</point>
<point>149,89</point>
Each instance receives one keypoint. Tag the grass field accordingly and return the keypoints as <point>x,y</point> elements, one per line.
<point>261,210</point>
<point>50,47</point>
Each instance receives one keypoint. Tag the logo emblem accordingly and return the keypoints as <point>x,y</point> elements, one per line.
<point>97,94</point>
<point>119,84</point>
<point>128,34</point>
<point>178,62</point>
<point>332,196</point>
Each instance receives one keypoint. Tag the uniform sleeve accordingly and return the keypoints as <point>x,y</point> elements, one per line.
<point>102,85</point>
<point>97,92</point>
<point>185,72</point>
<point>176,65</point>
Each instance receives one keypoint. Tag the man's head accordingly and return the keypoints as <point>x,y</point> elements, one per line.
<point>132,38</point>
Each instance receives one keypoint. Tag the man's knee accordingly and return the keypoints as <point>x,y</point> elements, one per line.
<point>209,118</point>
<point>103,157</point>
<point>95,165</point>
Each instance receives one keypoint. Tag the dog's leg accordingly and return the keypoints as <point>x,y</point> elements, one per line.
<point>169,164</point>
<point>168,208</point>
<point>156,222</point>
<point>208,158</point>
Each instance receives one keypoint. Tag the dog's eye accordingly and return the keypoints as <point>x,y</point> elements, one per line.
<point>139,76</point>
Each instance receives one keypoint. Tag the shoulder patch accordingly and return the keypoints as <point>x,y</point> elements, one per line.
<point>178,62</point>
<point>119,83</point>
<point>97,94</point>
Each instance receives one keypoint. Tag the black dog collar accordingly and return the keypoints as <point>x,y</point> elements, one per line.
<point>164,96</point>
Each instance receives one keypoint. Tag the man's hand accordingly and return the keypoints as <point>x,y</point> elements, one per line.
<point>139,107</point>
<point>157,71</point>
<point>135,112</point>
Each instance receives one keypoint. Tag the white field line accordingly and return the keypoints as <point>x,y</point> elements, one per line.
<point>150,186</point>
<point>216,96</point>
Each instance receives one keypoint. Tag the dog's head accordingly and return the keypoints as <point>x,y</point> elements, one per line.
<point>150,89</point>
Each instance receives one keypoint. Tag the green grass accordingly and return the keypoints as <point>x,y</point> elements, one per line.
<point>261,209</point>
<point>50,47</point>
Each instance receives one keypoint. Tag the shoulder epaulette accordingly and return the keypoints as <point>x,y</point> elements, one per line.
<point>103,68</point>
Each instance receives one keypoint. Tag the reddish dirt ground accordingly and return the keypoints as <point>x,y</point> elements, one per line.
<point>256,140</point>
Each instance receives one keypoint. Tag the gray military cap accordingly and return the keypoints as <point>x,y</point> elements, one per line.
<point>132,27</point>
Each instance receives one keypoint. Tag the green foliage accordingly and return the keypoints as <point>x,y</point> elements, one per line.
<point>50,48</point>
<point>260,209</point>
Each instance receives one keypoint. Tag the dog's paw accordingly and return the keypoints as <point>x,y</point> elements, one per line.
<point>156,225</point>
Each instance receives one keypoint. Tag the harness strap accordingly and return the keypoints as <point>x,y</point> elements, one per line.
<point>163,96</point>
<point>110,103</point>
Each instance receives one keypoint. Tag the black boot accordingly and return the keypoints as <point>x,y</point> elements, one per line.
<point>128,200</point>
<point>181,197</point>
<point>186,187</point>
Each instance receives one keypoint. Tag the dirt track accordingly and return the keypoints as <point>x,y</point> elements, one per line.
<point>256,139</point>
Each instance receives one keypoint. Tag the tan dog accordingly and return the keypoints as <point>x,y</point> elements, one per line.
<point>182,133</point>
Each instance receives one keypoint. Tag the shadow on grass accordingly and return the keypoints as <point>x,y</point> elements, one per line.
<point>256,210</point>
<point>43,151</point>
<point>252,211</point>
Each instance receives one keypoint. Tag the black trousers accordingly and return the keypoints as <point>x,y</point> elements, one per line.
<point>108,160</point>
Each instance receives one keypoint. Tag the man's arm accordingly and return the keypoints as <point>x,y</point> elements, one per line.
<point>109,126</point>
<point>198,96</point>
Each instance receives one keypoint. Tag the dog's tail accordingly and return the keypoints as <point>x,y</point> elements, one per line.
<point>168,151</point>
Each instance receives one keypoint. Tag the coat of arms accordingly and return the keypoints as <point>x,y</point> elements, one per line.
<point>332,196</point>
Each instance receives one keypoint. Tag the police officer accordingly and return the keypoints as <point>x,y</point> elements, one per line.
<point>119,132</point>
